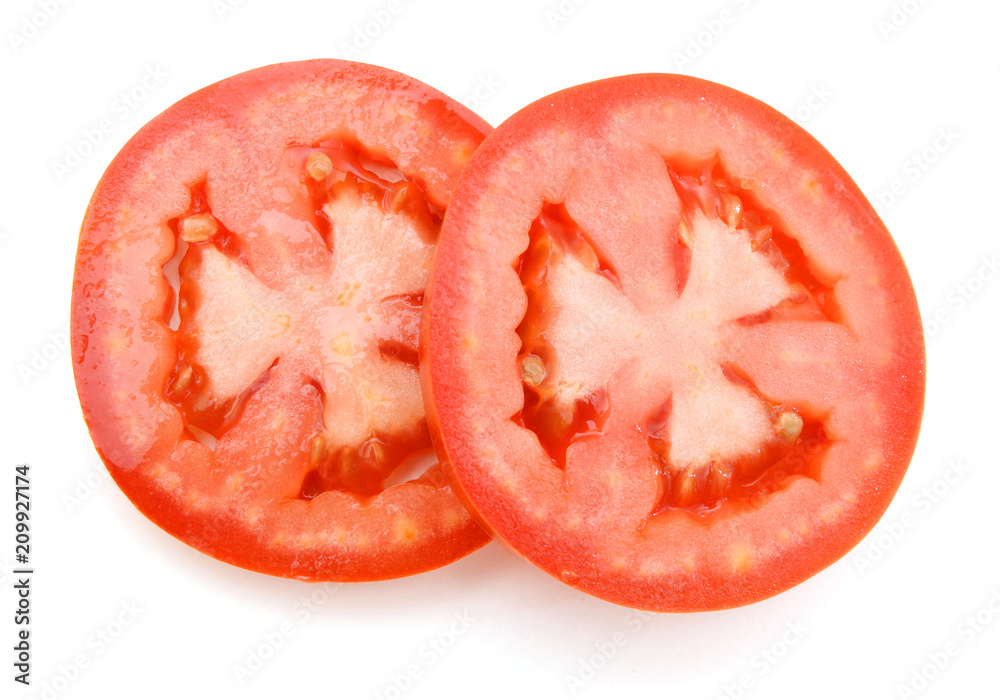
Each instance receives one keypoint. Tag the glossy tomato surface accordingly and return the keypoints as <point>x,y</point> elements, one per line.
<point>670,354</point>
<point>246,304</point>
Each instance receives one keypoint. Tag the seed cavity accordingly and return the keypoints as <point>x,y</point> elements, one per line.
<point>703,489</point>
<point>706,187</point>
<point>368,468</point>
<point>550,410</point>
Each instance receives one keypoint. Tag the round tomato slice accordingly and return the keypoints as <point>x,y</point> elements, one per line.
<point>246,306</point>
<point>670,355</point>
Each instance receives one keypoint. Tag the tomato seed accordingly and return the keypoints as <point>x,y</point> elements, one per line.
<point>374,450</point>
<point>686,487</point>
<point>684,234</point>
<point>719,477</point>
<point>318,165</point>
<point>789,426</point>
<point>182,381</point>
<point>532,370</point>
<point>400,195</point>
<point>732,208</point>
<point>198,228</point>
<point>318,451</point>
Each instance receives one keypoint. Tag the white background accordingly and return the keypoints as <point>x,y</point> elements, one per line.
<point>857,630</point>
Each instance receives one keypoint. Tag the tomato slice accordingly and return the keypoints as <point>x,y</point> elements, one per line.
<point>670,354</point>
<point>246,307</point>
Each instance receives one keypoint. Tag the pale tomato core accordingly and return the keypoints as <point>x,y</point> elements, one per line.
<point>352,321</point>
<point>730,445</point>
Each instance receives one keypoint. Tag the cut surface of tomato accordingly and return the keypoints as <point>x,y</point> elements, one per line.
<point>249,284</point>
<point>699,375</point>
